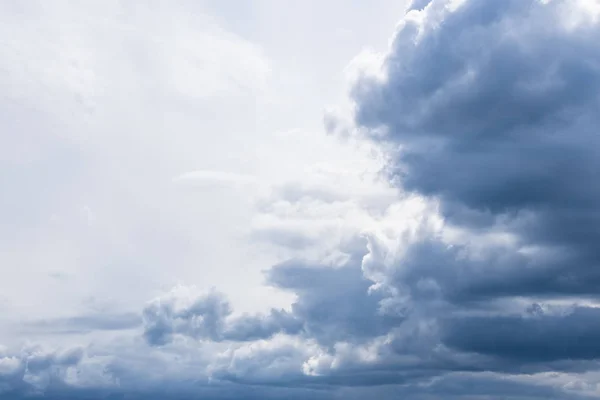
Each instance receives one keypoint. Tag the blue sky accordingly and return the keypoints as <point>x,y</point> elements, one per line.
<point>304,200</point>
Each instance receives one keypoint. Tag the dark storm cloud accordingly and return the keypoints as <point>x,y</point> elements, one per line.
<point>538,338</point>
<point>496,111</point>
<point>495,108</point>
<point>491,107</point>
<point>334,303</point>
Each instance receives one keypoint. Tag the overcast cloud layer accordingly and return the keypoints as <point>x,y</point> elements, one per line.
<point>162,239</point>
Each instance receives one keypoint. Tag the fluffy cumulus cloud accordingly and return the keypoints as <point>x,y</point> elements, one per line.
<point>185,312</point>
<point>468,268</point>
<point>34,369</point>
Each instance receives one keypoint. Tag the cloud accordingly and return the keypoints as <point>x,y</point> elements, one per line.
<point>497,126</point>
<point>334,303</point>
<point>34,369</point>
<point>478,113</point>
<point>473,276</point>
<point>500,123</point>
<point>528,339</point>
<point>189,312</point>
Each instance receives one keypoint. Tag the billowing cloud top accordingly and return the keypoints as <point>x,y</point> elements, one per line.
<point>471,272</point>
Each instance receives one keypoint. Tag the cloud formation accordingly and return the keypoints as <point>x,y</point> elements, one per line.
<point>34,369</point>
<point>489,109</point>
<point>478,280</point>
<point>479,112</point>
<point>185,311</point>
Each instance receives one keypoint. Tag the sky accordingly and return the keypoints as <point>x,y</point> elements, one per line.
<point>260,199</point>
